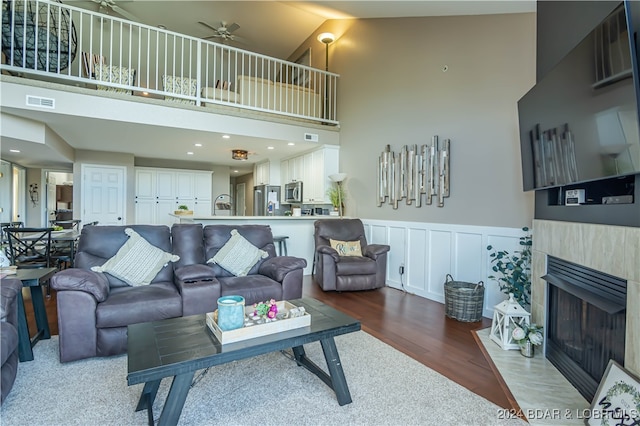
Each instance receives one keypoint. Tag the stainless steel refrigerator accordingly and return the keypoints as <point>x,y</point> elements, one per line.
<point>263,195</point>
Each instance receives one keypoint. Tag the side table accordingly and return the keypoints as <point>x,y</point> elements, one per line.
<point>32,278</point>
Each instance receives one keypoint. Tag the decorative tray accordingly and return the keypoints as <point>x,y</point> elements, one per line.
<point>258,330</point>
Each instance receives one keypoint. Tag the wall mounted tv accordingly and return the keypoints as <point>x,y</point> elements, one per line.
<point>580,122</point>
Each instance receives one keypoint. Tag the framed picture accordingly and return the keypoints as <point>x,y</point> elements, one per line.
<point>617,400</point>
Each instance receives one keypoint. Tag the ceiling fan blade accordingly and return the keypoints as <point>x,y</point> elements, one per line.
<point>120,11</point>
<point>233,27</point>
<point>211,27</point>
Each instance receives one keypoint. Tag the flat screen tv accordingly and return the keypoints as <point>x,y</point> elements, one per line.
<point>580,122</point>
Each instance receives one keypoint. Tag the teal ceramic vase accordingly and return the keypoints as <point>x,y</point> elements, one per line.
<point>230,312</point>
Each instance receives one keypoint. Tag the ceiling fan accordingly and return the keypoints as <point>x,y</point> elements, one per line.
<point>223,31</point>
<point>104,6</point>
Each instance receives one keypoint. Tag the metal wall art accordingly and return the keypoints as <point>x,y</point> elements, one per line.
<point>413,172</point>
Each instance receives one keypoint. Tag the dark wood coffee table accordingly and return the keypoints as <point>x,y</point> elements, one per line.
<point>179,347</point>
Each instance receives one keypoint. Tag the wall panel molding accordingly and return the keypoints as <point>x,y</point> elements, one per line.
<point>430,251</point>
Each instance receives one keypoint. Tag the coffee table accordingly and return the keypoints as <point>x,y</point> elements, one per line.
<point>178,347</point>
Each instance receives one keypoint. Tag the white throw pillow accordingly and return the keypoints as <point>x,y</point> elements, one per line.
<point>346,248</point>
<point>137,262</point>
<point>238,255</point>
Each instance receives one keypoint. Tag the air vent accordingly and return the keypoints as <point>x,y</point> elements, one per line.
<point>311,137</point>
<point>41,102</point>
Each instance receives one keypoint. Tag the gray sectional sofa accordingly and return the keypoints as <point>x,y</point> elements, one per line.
<point>95,306</point>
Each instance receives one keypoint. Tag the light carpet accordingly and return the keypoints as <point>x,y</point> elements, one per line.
<point>387,387</point>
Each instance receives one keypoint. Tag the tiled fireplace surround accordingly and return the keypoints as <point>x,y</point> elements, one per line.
<point>611,249</point>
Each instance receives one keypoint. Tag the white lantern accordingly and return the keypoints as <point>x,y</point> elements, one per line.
<point>506,316</point>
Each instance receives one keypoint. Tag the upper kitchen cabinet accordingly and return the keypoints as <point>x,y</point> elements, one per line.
<point>323,163</point>
<point>267,173</point>
<point>312,169</point>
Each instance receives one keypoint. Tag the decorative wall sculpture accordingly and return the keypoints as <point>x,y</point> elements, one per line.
<point>414,172</point>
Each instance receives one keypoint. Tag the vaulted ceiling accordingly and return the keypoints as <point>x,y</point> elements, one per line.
<point>273,28</point>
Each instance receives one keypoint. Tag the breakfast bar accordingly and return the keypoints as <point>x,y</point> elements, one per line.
<point>299,229</point>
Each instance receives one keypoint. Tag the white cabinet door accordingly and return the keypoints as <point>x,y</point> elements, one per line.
<point>145,183</point>
<point>284,172</point>
<point>163,209</point>
<point>308,183</point>
<point>296,165</point>
<point>184,185</point>
<point>261,173</point>
<point>318,193</point>
<point>145,211</point>
<point>274,173</point>
<point>165,185</point>
<point>166,189</point>
<point>202,208</point>
<point>202,190</point>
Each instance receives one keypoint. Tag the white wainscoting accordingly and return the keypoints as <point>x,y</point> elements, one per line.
<point>430,251</point>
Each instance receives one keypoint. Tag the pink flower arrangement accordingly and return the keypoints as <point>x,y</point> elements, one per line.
<point>268,309</point>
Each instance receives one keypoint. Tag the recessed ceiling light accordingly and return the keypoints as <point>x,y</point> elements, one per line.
<point>235,171</point>
<point>270,147</point>
<point>291,144</point>
<point>14,150</point>
<point>225,136</point>
<point>198,144</point>
<point>189,153</point>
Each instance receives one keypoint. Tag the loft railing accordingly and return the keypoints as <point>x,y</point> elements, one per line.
<point>45,39</point>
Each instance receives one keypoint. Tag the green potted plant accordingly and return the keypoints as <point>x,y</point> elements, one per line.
<point>183,209</point>
<point>514,270</point>
<point>336,194</point>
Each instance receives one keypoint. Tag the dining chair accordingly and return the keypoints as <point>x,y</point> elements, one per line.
<point>8,225</point>
<point>29,247</point>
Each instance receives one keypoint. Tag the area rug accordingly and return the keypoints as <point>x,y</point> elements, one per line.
<point>387,387</point>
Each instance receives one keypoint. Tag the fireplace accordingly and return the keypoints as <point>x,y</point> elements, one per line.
<point>586,322</point>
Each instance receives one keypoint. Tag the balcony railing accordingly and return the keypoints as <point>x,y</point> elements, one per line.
<point>44,39</point>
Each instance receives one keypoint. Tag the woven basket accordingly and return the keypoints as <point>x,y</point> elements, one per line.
<point>463,301</point>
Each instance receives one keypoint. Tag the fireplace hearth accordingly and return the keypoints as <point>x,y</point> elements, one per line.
<point>586,322</point>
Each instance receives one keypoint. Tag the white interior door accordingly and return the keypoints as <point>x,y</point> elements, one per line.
<point>19,194</point>
<point>240,200</point>
<point>103,194</point>
<point>51,181</point>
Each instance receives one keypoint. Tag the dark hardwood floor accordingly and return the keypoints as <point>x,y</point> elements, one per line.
<point>413,325</point>
<point>419,328</point>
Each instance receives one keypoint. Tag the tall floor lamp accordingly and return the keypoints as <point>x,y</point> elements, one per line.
<point>326,39</point>
<point>338,178</point>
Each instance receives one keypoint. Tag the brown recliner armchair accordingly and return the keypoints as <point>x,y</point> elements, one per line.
<point>347,273</point>
<point>9,333</point>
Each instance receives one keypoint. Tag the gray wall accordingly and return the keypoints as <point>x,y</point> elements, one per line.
<point>393,90</point>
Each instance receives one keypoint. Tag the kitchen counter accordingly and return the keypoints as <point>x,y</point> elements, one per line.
<point>299,229</point>
<point>192,218</point>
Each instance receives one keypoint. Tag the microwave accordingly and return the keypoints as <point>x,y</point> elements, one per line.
<point>293,192</point>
